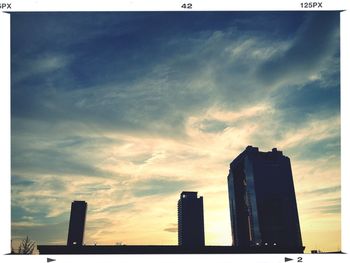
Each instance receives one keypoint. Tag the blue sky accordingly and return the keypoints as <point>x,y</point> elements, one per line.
<point>127,109</point>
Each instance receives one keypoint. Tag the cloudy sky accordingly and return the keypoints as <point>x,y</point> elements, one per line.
<point>126,110</point>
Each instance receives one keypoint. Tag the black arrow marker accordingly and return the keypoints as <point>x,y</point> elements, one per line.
<point>50,260</point>
<point>287,259</point>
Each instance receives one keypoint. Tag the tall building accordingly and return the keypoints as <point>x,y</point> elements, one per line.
<point>77,223</point>
<point>263,206</point>
<point>190,220</point>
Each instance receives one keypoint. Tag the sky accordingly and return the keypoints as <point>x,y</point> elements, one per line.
<point>126,110</point>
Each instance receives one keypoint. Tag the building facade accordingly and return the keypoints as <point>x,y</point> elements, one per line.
<point>262,200</point>
<point>190,220</point>
<point>77,223</point>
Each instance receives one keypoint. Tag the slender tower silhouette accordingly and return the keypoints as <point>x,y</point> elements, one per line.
<point>190,220</point>
<point>262,200</point>
<point>77,223</point>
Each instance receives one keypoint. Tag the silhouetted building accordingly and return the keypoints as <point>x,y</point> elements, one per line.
<point>263,206</point>
<point>190,220</point>
<point>77,223</point>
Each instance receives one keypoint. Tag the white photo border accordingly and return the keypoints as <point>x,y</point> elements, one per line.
<point>169,5</point>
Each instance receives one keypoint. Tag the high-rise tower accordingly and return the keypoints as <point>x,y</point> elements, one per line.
<point>190,220</point>
<point>77,223</point>
<point>263,206</point>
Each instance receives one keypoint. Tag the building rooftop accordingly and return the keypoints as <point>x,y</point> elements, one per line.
<point>188,194</point>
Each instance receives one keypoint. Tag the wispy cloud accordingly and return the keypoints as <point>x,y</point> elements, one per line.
<point>329,209</point>
<point>172,228</point>
<point>307,53</point>
<point>326,190</point>
<point>160,186</point>
<point>38,66</point>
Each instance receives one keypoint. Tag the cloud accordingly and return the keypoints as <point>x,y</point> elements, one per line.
<point>20,214</point>
<point>212,126</point>
<point>159,186</point>
<point>160,101</point>
<point>117,208</point>
<point>18,180</point>
<point>41,234</point>
<point>47,161</point>
<point>172,228</point>
<point>329,209</point>
<point>313,130</point>
<point>43,64</point>
<point>315,42</point>
<point>319,149</point>
<point>322,191</point>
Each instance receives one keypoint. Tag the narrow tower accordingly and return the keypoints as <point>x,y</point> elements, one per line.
<point>190,220</point>
<point>77,223</point>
